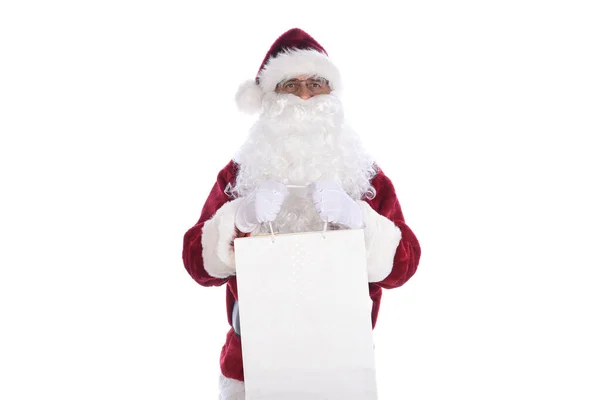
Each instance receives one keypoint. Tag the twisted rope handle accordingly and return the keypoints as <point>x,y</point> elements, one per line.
<point>325,224</point>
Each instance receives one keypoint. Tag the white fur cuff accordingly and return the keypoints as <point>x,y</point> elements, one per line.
<point>382,238</point>
<point>217,234</point>
<point>231,389</point>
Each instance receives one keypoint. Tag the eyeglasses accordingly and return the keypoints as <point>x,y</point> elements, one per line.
<point>314,85</point>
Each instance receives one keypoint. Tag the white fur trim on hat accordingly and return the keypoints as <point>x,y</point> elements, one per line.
<point>382,238</point>
<point>292,63</point>
<point>217,234</point>
<point>248,97</point>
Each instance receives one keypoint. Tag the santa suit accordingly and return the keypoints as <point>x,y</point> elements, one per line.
<point>393,251</point>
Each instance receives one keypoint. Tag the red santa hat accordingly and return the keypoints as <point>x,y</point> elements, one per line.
<point>294,53</point>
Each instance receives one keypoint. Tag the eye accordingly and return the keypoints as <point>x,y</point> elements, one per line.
<point>290,86</point>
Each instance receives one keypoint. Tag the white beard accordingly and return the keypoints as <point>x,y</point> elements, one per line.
<point>298,142</point>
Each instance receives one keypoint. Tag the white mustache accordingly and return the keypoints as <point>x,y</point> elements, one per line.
<point>316,108</point>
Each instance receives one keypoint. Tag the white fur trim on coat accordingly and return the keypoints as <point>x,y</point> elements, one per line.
<point>231,389</point>
<point>292,63</point>
<point>382,238</point>
<point>217,234</point>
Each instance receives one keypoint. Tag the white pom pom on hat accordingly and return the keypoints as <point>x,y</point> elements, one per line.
<point>248,97</point>
<point>293,54</point>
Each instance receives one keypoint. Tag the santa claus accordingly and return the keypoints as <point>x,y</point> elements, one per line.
<point>301,166</point>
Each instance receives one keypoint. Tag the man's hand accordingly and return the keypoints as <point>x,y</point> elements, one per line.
<point>260,206</point>
<point>334,205</point>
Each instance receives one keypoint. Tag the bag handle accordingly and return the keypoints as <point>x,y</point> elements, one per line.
<point>325,224</point>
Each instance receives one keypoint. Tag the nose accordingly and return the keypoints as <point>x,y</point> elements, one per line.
<point>304,93</point>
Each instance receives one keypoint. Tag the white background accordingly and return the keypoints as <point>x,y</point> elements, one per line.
<point>115,117</point>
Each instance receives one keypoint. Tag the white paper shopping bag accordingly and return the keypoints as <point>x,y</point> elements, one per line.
<point>305,316</point>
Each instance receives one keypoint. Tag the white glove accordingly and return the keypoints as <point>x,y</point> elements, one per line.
<point>334,205</point>
<point>262,205</point>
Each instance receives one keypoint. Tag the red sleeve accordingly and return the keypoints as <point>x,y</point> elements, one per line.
<point>192,240</point>
<point>408,252</point>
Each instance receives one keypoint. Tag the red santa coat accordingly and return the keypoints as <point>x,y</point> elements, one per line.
<point>393,251</point>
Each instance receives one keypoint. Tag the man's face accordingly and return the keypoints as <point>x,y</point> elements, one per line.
<point>304,87</point>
